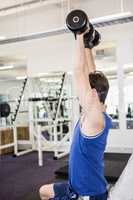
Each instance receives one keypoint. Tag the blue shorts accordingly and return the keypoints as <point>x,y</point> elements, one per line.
<point>63,191</point>
<point>60,189</point>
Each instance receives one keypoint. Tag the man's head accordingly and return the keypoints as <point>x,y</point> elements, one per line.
<point>99,81</point>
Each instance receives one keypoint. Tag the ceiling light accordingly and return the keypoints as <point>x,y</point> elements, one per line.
<point>70,72</point>
<point>55,80</point>
<point>5,67</point>
<point>43,74</point>
<point>21,77</point>
<point>129,65</point>
<point>130,73</point>
<point>2,37</point>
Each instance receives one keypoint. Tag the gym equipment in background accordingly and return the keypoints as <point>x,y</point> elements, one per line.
<point>4,109</point>
<point>51,114</point>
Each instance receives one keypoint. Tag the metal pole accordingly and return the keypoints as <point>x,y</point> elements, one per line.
<point>33,36</point>
<point>31,123</point>
<point>39,146</point>
<point>15,139</point>
<point>63,30</point>
<point>122,6</point>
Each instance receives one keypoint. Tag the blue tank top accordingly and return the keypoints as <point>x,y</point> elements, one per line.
<point>86,161</point>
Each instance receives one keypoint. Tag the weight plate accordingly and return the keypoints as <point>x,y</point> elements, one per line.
<point>77,20</point>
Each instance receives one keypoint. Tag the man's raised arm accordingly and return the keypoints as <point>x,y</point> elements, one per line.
<point>91,67</point>
<point>81,72</point>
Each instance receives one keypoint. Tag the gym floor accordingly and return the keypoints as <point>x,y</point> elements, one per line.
<point>21,177</point>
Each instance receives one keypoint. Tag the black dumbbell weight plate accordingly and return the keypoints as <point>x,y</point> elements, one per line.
<point>97,38</point>
<point>77,21</point>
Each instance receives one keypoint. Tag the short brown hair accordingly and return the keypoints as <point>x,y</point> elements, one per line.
<point>99,81</point>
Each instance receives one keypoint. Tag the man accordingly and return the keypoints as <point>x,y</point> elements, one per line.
<point>86,165</point>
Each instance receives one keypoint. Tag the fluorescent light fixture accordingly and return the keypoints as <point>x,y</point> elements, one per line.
<point>112,17</point>
<point>5,67</point>
<point>51,74</point>
<point>42,74</point>
<point>129,65</point>
<point>2,37</point>
<point>130,73</point>
<point>111,77</point>
<point>21,77</point>
<point>70,73</point>
<point>51,80</point>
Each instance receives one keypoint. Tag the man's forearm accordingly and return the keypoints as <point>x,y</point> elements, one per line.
<point>81,60</point>
<point>80,71</point>
<point>90,65</point>
<point>84,57</point>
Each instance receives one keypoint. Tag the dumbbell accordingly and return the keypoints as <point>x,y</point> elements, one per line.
<point>77,22</point>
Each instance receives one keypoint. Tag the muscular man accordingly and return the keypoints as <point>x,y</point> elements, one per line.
<point>86,162</point>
